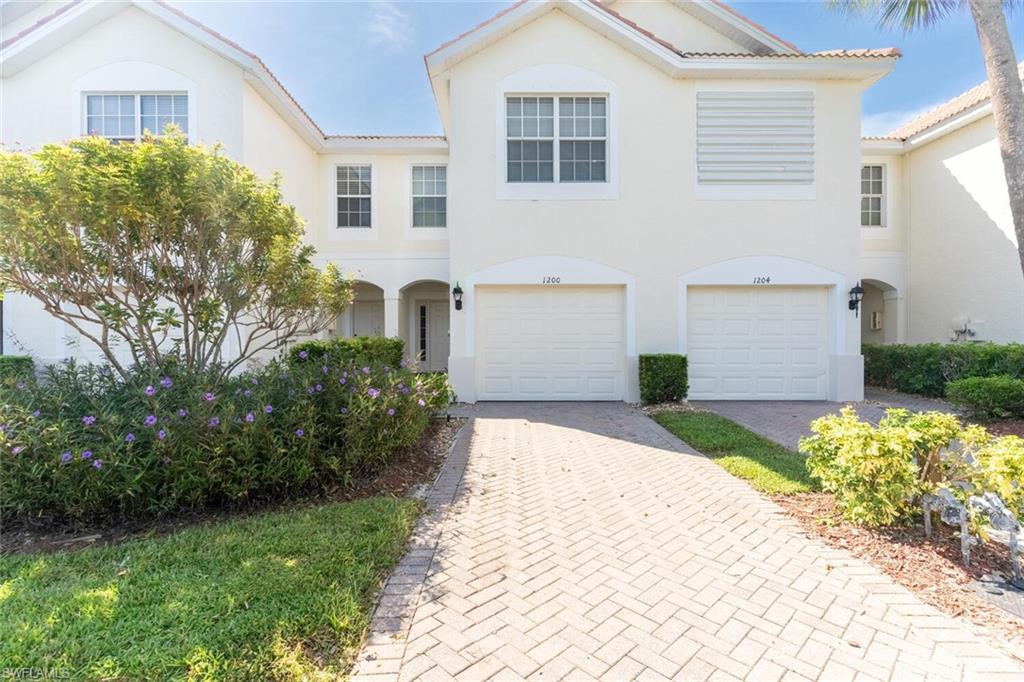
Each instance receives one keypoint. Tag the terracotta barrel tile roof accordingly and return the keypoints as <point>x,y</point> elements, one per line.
<point>959,104</point>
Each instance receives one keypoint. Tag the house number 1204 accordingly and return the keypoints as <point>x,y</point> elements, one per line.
<point>551,280</point>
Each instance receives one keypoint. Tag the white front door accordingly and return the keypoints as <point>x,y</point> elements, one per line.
<point>432,335</point>
<point>368,318</point>
<point>757,343</point>
<point>550,343</point>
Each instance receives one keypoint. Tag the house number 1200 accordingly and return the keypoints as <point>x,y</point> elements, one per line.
<point>762,280</point>
<point>551,280</point>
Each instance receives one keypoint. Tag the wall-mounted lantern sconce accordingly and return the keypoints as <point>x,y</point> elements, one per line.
<point>856,295</point>
<point>457,296</point>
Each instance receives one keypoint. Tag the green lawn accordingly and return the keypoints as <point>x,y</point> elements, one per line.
<point>281,595</point>
<point>766,465</point>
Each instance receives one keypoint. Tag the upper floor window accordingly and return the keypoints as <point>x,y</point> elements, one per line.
<point>872,195</point>
<point>755,144</point>
<point>579,125</point>
<point>354,196</point>
<point>429,196</point>
<point>125,117</point>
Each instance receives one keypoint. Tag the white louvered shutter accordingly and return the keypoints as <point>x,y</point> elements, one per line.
<point>755,138</point>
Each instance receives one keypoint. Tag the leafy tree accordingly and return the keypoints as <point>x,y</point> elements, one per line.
<point>1000,65</point>
<point>163,247</point>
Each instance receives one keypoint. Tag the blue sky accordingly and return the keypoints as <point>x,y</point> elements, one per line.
<point>357,67</point>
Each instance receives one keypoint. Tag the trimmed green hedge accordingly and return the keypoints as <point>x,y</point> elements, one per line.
<point>988,397</point>
<point>663,377</point>
<point>925,369</point>
<point>364,350</point>
<point>16,367</point>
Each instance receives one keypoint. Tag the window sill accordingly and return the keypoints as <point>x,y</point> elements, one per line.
<point>353,234</point>
<point>876,232</point>
<point>426,233</point>
<point>558,191</point>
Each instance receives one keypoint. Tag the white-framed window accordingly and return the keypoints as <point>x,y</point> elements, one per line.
<point>124,117</point>
<point>430,196</point>
<point>872,195</point>
<point>355,196</point>
<point>559,139</point>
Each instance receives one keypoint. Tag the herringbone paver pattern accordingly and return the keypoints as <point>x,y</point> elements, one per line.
<point>583,541</point>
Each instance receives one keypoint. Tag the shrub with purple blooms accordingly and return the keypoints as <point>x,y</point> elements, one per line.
<point>84,444</point>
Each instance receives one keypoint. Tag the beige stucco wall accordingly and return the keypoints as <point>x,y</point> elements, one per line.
<point>961,251</point>
<point>676,26</point>
<point>656,229</point>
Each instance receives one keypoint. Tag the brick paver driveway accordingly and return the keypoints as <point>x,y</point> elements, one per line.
<point>785,422</point>
<point>584,541</point>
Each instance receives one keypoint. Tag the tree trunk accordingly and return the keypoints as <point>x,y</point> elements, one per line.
<point>1007,103</point>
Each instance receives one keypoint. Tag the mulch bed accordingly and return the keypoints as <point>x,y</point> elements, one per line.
<point>1006,427</point>
<point>931,568</point>
<point>403,475</point>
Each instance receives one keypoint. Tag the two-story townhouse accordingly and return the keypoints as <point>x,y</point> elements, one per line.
<point>615,178</point>
<point>940,259</point>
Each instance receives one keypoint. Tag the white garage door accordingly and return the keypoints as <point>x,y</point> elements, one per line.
<point>550,343</point>
<point>756,343</point>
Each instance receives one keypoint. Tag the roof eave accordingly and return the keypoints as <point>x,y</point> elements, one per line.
<point>866,70</point>
<point>385,145</point>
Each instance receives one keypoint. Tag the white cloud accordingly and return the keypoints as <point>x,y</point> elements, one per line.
<point>389,25</point>
<point>884,122</point>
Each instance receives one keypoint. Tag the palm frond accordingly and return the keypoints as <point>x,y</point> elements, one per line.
<point>905,14</point>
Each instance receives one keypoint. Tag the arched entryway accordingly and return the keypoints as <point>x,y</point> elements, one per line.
<point>879,312</point>
<point>425,324</point>
<point>365,316</point>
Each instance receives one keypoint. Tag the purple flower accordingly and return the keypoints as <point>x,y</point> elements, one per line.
<point>247,393</point>
<point>208,397</point>
<point>161,434</point>
<point>309,390</point>
<point>166,382</point>
<point>88,420</point>
<point>366,370</point>
<point>150,420</point>
<point>182,412</point>
<point>373,392</point>
<point>97,464</point>
<point>344,410</point>
<point>319,387</point>
<point>16,449</point>
<point>255,381</point>
<point>268,409</point>
<point>342,381</point>
<point>214,422</point>
<point>303,355</point>
<point>250,417</point>
<point>421,403</point>
<point>391,412</point>
<point>129,438</point>
<point>20,385</point>
<point>65,457</point>
<point>324,369</point>
<point>150,391</point>
<point>36,414</point>
<point>405,390</point>
<point>166,460</point>
<point>300,432</point>
<point>86,454</point>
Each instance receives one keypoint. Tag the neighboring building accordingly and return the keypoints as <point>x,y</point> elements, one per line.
<point>940,256</point>
<point>615,179</point>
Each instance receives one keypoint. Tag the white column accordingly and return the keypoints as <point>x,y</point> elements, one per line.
<point>391,314</point>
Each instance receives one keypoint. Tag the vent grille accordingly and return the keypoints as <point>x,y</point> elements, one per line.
<point>755,138</point>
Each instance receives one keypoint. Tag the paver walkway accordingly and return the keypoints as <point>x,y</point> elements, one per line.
<point>785,422</point>
<point>583,541</point>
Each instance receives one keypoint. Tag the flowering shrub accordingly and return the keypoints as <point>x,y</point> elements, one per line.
<point>84,443</point>
<point>357,350</point>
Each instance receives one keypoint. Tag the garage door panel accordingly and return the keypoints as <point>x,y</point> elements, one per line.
<point>557,343</point>
<point>757,342</point>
